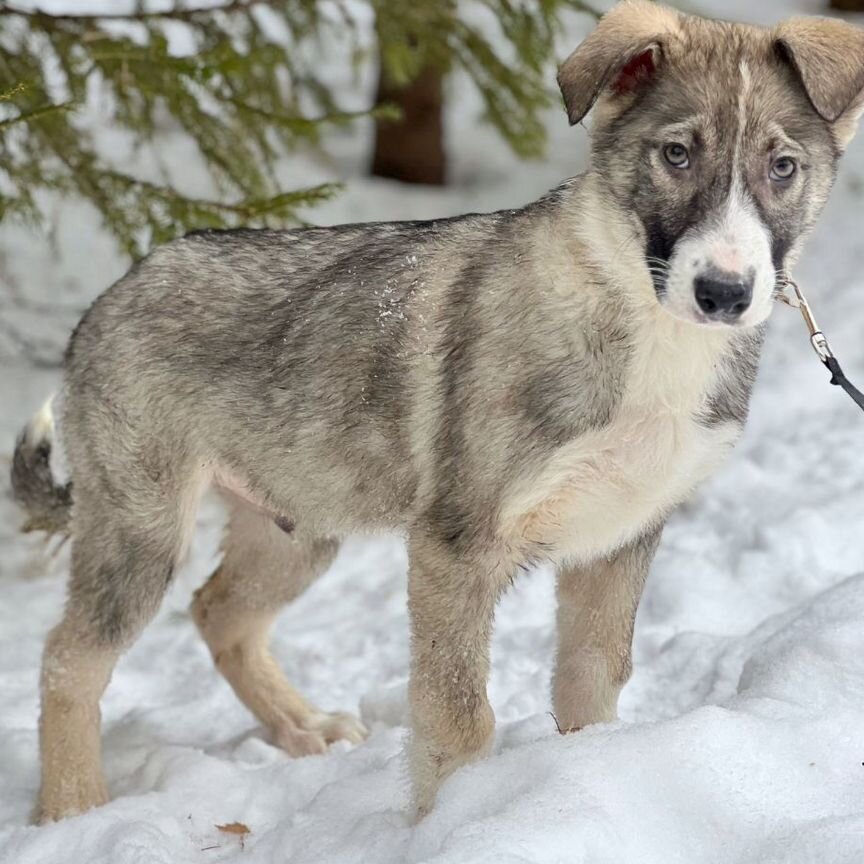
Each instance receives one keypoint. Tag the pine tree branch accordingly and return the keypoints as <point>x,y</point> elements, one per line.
<point>249,208</point>
<point>17,89</point>
<point>175,14</point>
<point>35,114</point>
<point>307,126</point>
<point>246,91</point>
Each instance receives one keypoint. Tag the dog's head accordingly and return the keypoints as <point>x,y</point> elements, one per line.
<point>720,140</point>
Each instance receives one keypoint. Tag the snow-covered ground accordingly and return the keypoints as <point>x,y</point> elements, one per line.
<point>742,731</point>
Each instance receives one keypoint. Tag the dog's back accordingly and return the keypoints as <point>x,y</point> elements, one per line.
<point>278,361</point>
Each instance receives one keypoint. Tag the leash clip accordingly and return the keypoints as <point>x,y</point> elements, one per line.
<point>821,346</point>
<point>817,338</point>
<point>819,342</point>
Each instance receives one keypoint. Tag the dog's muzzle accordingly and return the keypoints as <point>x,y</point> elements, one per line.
<point>723,296</point>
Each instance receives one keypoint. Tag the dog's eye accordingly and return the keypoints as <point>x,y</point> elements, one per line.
<point>783,168</point>
<point>676,155</point>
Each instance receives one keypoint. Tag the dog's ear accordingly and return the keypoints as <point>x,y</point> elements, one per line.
<point>622,54</point>
<point>828,57</point>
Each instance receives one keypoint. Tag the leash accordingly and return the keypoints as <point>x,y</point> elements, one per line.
<point>820,342</point>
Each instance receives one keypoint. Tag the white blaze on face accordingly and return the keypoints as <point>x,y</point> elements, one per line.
<point>734,245</point>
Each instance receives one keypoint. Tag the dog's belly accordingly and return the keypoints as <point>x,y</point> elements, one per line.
<point>604,489</point>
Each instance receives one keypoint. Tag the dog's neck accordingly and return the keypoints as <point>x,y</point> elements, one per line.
<point>676,362</point>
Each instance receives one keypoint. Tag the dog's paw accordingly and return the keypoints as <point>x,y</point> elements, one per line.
<point>419,810</point>
<point>315,732</point>
<point>71,798</point>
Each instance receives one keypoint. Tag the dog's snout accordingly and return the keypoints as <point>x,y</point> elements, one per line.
<point>724,295</point>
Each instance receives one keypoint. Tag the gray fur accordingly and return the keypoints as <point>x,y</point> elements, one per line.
<point>730,401</point>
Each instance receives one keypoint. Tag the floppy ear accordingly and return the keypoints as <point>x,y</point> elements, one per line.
<point>828,57</point>
<point>622,53</point>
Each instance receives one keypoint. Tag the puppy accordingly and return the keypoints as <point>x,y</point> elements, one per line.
<point>535,385</point>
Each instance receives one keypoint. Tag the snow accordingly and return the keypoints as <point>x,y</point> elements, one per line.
<point>741,734</point>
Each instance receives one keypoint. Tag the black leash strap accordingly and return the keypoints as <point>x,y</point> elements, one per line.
<point>838,378</point>
<point>821,346</point>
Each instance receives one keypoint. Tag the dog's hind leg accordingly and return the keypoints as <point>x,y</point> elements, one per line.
<point>124,552</point>
<point>265,567</point>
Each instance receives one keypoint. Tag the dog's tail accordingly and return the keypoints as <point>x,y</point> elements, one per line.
<point>47,503</point>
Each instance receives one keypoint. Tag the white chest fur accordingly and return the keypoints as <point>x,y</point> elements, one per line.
<point>604,488</point>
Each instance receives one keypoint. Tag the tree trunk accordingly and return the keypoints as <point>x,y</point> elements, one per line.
<point>848,5</point>
<point>412,149</point>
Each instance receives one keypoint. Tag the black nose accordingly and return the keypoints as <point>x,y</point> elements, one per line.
<point>724,295</point>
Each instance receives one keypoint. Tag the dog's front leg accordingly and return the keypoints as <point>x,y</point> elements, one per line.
<point>451,600</point>
<point>596,609</point>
